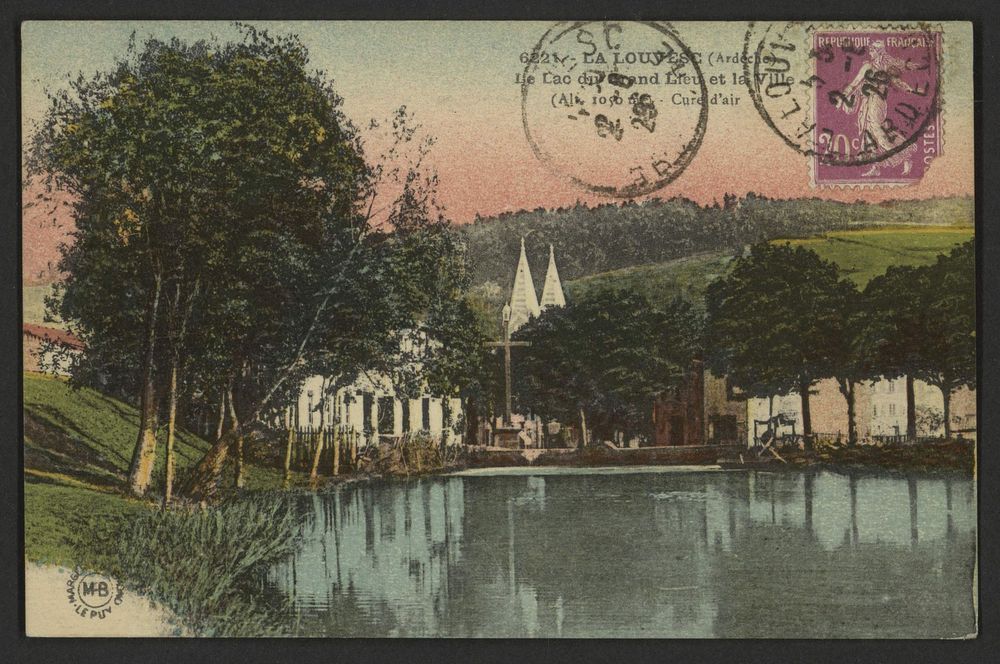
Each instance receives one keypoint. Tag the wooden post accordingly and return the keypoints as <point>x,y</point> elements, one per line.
<point>288,446</point>
<point>336,453</point>
<point>168,489</point>
<point>314,470</point>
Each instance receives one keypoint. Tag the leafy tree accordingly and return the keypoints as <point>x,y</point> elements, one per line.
<point>459,363</point>
<point>921,323</point>
<point>222,189</point>
<point>948,349</point>
<point>131,147</point>
<point>890,340</point>
<point>604,360</point>
<point>775,323</point>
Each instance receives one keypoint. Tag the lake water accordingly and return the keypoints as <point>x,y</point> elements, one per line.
<point>687,553</point>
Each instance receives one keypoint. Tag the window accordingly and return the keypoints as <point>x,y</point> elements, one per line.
<point>892,409</point>
<point>874,411</point>
<point>406,415</point>
<point>386,415</point>
<point>425,414</point>
<point>367,404</point>
<point>892,388</point>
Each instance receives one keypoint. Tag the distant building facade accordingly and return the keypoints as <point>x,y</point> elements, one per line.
<point>705,411</point>
<point>48,349</point>
<point>678,415</point>
<point>701,411</point>
<point>880,409</point>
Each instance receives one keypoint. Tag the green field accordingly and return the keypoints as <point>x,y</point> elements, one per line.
<point>77,449</point>
<point>861,255</point>
<point>865,254</point>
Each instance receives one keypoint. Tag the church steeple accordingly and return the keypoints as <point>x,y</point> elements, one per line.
<point>552,292</point>
<point>523,300</point>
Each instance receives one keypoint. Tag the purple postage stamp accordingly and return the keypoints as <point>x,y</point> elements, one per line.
<point>877,101</point>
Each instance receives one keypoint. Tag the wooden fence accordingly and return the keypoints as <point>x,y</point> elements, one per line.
<point>327,451</point>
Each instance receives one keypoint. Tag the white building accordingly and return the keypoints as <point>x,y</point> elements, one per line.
<point>370,406</point>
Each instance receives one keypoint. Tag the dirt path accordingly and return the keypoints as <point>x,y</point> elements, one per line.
<point>60,603</point>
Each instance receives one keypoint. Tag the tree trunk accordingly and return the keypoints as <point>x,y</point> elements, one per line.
<point>202,481</point>
<point>168,489</point>
<point>220,427</point>
<point>144,453</point>
<point>911,409</point>
<point>237,441</point>
<point>946,394</point>
<point>847,389</point>
<point>806,414</point>
<point>288,445</point>
<point>314,471</point>
<point>583,429</point>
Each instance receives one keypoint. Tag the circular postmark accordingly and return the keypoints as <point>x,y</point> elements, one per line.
<point>618,108</point>
<point>858,98</point>
<point>93,595</point>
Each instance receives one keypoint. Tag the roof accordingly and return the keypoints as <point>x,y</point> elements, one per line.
<point>53,335</point>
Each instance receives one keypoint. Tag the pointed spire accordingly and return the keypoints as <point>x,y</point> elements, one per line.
<point>552,291</point>
<point>523,300</point>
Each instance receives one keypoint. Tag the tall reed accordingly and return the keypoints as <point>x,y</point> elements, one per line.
<point>206,565</point>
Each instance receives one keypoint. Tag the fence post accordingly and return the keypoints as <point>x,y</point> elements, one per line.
<point>336,453</point>
<point>318,439</point>
<point>288,453</point>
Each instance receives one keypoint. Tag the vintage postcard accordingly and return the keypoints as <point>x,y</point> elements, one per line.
<point>499,329</point>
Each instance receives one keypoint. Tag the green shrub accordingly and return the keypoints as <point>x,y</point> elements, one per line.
<point>206,565</point>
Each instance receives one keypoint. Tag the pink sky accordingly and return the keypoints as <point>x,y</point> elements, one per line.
<point>458,79</point>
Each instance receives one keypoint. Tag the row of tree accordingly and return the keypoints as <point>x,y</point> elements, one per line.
<point>783,318</point>
<point>232,236</point>
<point>778,321</point>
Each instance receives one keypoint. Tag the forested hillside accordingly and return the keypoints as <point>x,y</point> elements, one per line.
<point>612,237</point>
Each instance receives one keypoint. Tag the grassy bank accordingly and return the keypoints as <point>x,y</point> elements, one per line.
<point>203,565</point>
<point>934,456</point>
<point>82,438</point>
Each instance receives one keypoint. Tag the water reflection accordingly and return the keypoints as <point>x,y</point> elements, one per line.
<point>682,555</point>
